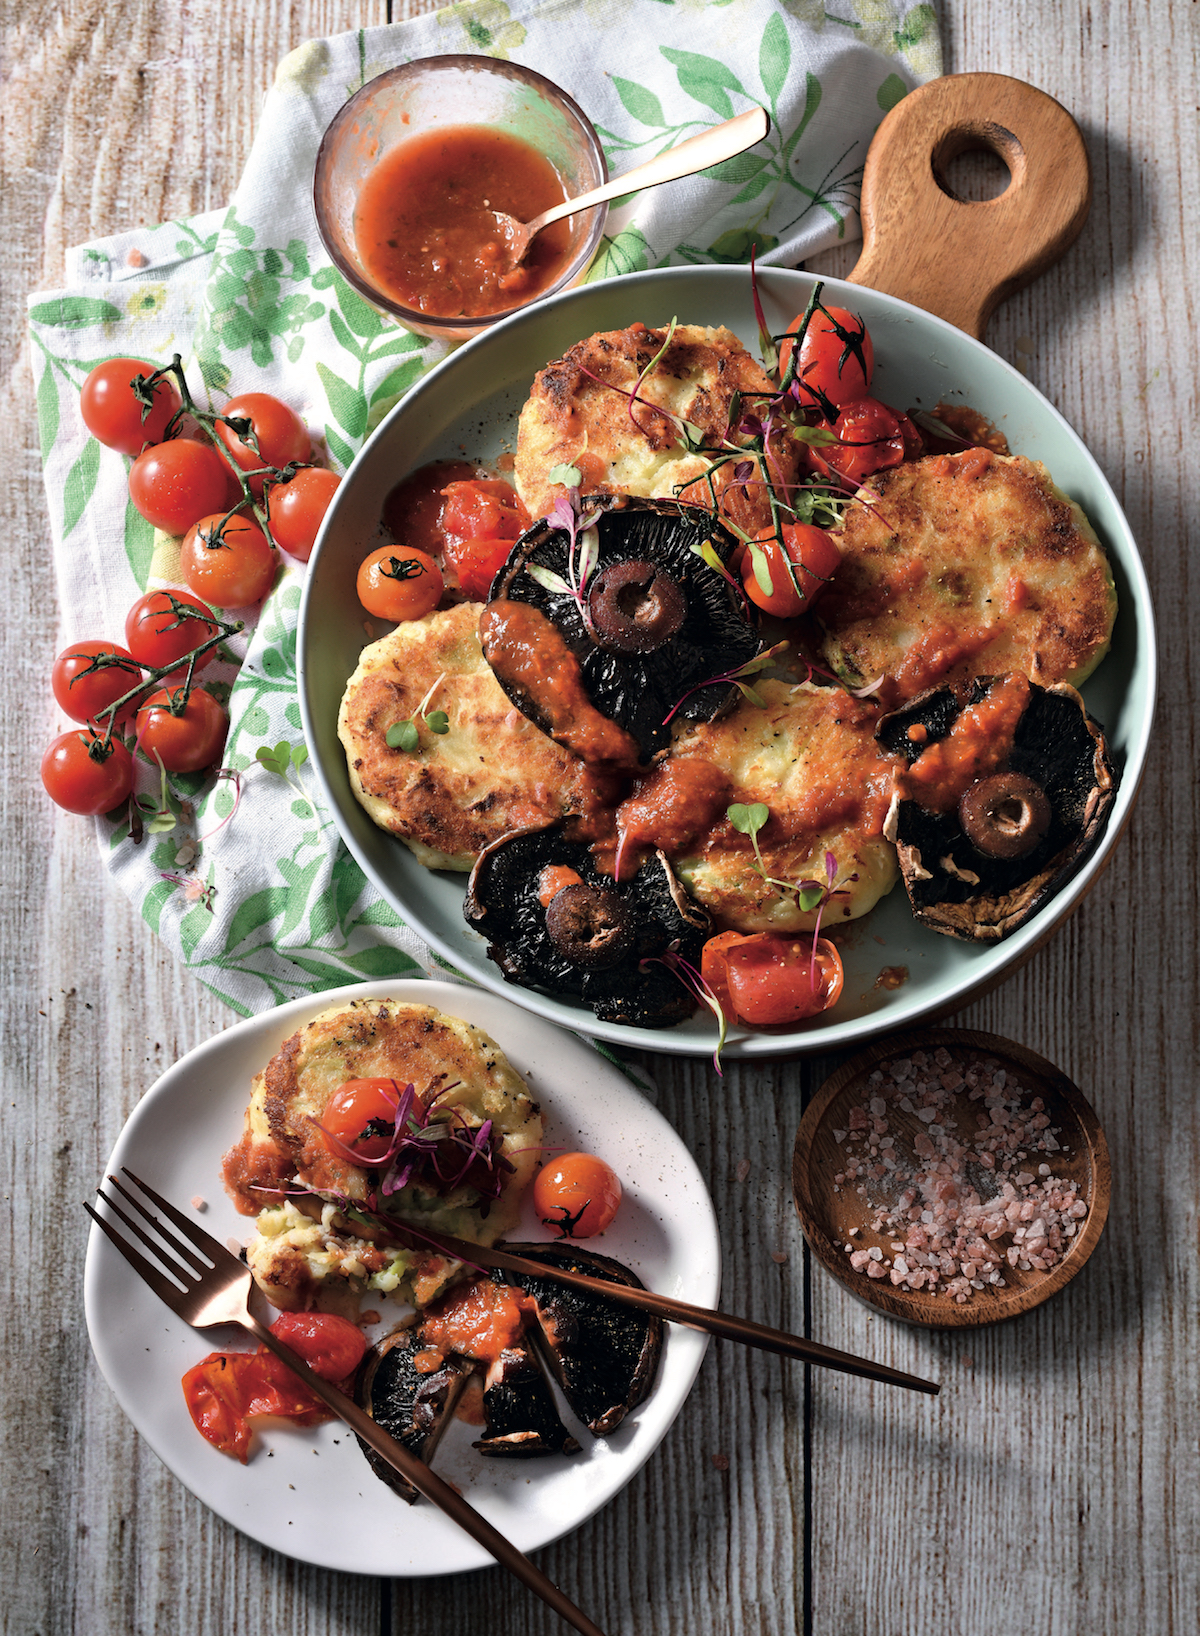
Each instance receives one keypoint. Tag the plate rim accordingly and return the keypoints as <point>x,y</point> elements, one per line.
<point>687,1348</point>
<point>838,1035</point>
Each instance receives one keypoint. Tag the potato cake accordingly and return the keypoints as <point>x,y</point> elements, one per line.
<point>810,756</point>
<point>575,417</point>
<point>457,791</point>
<point>961,565</point>
<point>324,1224</point>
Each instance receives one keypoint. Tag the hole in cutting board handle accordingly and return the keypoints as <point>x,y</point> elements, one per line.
<point>976,166</point>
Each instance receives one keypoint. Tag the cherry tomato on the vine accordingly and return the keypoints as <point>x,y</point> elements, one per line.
<point>397,582</point>
<point>186,737</point>
<point>836,361</point>
<point>764,979</point>
<point>228,561</point>
<point>83,774</point>
<point>577,1193</point>
<point>280,434</point>
<point>157,635</point>
<point>813,556</point>
<point>89,676</point>
<point>361,1117</point>
<point>296,509</point>
<point>174,484</point>
<point>113,415</point>
<point>480,520</point>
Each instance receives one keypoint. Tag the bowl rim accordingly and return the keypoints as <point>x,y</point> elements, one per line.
<point>850,1033</point>
<point>938,1311</point>
<point>425,323</point>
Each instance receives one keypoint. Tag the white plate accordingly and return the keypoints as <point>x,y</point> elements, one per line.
<point>468,405</point>
<point>311,1493</point>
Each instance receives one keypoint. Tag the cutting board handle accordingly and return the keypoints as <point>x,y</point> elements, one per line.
<point>959,259</point>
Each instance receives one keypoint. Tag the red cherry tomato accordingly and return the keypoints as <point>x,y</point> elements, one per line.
<point>174,484</point>
<point>80,773</point>
<point>228,561</point>
<point>480,521</point>
<point>762,979</point>
<point>114,416</point>
<point>157,634</point>
<point>871,437</point>
<point>794,586</point>
<point>577,1193</point>
<point>185,737</point>
<point>360,1118</point>
<point>397,582</point>
<point>297,509</point>
<point>89,676</point>
<point>281,436</point>
<point>836,361</point>
<point>332,1347</point>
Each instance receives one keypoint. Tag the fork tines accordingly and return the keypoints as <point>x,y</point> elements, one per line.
<point>177,1246</point>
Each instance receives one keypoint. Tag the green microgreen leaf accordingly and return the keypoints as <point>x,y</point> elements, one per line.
<point>548,579</point>
<point>402,735</point>
<point>569,476</point>
<point>438,722</point>
<point>748,820</point>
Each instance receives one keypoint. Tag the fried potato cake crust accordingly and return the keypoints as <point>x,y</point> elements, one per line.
<point>455,1069</point>
<point>810,756</point>
<point>575,417</point>
<point>492,771</point>
<point>964,565</point>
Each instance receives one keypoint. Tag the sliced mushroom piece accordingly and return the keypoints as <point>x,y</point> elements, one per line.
<point>604,1356</point>
<point>599,941</point>
<point>601,641</point>
<point>415,1406</point>
<point>1007,788</point>
<point>522,1421</point>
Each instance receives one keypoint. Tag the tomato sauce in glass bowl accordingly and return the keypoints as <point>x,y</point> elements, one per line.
<point>425,226</point>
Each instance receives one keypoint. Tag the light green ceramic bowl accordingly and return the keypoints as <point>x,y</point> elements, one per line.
<point>470,403</point>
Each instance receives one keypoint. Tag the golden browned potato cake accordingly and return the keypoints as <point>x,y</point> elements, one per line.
<point>810,756</point>
<point>966,565</point>
<point>573,417</point>
<point>492,771</point>
<point>319,1228</point>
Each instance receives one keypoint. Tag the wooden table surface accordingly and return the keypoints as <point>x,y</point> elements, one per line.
<point>1055,1485</point>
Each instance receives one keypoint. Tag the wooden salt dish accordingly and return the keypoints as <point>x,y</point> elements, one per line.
<point>828,1211</point>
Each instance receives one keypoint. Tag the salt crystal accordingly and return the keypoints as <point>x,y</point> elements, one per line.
<point>875,1253</point>
<point>839,1136</point>
<point>926,1115</point>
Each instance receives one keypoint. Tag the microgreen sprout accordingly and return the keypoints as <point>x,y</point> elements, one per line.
<point>696,985</point>
<point>751,667</point>
<point>283,760</point>
<point>583,543</point>
<point>405,735</point>
<point>749,819</point>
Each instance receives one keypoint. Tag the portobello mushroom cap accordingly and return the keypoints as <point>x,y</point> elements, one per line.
<point>1019,832</point>
<point>414,1407</point>
<point>654,624</point>
<point>604,1356</point>
<point>589,943</point>
<point>522,1421</point>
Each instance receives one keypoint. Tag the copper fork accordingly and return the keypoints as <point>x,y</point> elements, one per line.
<point>208,1286</point>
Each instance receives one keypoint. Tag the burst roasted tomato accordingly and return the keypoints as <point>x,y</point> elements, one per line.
<point>870,437</point>
<point>480,520</point>
<point>789,589</point>
<point>762,979</point>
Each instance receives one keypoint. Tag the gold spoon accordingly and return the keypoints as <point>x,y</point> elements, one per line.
<point>697,153</point>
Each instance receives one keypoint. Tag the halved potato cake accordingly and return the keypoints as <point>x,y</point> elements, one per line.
<point>962,565</point>
<point>810,756</point>
<point>324,1224</point>
<point>580,413</point>
<point>492,771</point>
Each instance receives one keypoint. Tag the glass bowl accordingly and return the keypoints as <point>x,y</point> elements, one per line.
<point>451,91</point>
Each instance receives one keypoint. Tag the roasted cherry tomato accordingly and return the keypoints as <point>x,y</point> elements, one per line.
<point>228,561</point>
<point>360,1119</point>
<point>870,438</point>
<point>296,509</point>
<point>80,773</point>
<point>174,484</point>
<point>89,676</point>
<point>185,735</point>
<point>836,361</point>
<point>397,582</point>
<point>794,586</point>
<point>763,979</point>
<point>277,430</point>
<point>114,416</point>
<point>163,626</point>
<point>480,521</point>
<point>577,1193</point>
<point>332,1347</point>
